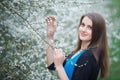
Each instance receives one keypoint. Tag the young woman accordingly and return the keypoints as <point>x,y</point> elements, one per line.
<point>89,58</point>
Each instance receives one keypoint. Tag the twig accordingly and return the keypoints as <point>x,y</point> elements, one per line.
<point>30,26</point>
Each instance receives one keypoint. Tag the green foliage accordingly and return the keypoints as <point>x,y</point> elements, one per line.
<point>21,53</point>
<point>8,68</point>
<point>115,7</point>
<point>115,36</point>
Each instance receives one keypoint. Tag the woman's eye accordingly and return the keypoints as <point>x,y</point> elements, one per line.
<point>89,27</point>
<point>82,24</point>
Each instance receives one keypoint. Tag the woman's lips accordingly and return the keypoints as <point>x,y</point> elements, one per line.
<point>83,34</point>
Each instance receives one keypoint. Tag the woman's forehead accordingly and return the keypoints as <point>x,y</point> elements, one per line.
<point>86,20</point>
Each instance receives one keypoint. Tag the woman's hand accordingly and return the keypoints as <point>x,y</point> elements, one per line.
<point>51,26</point>
<point>59,57</point>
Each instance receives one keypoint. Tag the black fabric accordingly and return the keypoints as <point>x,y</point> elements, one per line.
<point>87,72</point>
<point>51,67</point>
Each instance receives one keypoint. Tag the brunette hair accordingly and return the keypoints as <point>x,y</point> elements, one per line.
<point>99,40</point>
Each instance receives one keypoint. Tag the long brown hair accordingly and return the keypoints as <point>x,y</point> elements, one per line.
<point>99,40</point>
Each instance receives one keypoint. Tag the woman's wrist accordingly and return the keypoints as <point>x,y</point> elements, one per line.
<point>59,67</point>
<point>61,72</point>
<point>50,38</point>
<point>50,42</point>
<point>50,34</point>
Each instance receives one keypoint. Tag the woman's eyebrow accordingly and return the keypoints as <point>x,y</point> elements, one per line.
<point>84,24</point>
<point>89,25</point>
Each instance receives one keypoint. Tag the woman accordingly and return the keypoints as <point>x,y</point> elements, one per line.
<point>89,58</point>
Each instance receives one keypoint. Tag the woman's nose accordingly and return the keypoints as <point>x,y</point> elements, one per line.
<point>84,28</point>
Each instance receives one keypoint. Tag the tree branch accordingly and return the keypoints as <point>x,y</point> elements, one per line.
<point>30,26</point>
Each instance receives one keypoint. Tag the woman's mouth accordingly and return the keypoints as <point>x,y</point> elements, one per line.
<point>83,34</point>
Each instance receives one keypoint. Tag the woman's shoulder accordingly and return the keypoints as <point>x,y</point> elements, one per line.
<point>86,67</point>
<point>87,57</point>
<point>88,54</point>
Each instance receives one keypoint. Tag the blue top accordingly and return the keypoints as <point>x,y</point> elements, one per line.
<point>71,63</point>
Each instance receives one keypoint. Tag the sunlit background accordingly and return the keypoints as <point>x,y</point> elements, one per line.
<point>23,34</point>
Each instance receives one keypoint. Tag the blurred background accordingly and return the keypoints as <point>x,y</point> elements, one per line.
<point>23,34</point>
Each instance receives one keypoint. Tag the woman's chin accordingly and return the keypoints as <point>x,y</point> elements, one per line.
<point>84,40</point>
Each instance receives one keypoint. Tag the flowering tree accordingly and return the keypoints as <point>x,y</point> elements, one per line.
<point>23,38</point>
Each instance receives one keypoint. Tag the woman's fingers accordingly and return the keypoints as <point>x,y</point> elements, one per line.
<point>59,57</point>
<point>51,24</point>
<point>47,21</point>
<point>55,51</point>
<point>59,53</point>
<point>50,20</point>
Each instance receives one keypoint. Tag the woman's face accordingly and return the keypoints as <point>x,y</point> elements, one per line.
<point>85,29</point>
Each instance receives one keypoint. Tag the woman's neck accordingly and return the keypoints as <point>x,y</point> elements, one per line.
<point>84,45</point>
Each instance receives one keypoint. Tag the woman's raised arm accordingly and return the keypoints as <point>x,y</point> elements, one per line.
<point>51,28</point>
